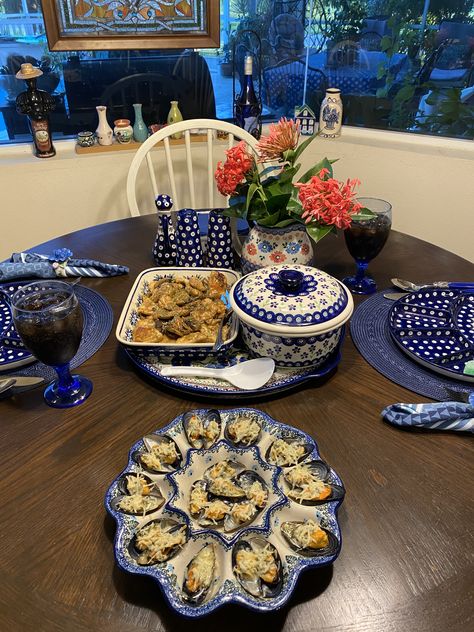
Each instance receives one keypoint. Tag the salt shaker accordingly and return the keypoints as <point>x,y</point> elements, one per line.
<point>188,239</point>
<point>164,248</point>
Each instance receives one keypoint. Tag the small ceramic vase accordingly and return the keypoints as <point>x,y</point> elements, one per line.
<point>140,130</point>
<point>266,246</point>
<point>330,116</point>
<point>103,132</point>
<point>188,239</point>
<point>219,241</point>
<point>123,131</point>
<point>164,248</point>
<point>175,116</point>
<point>85,139</point>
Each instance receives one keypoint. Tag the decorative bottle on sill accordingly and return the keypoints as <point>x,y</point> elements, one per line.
<point>36,105</point>
<point>248,113</point>
<point>103,132</point>
<point>140,130</point>
<point>175,116</point>
<point>330,116</point>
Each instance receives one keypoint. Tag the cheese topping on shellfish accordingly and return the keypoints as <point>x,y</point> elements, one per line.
<point>243,430</point>
<point>284,453</point>
<point>251,564</point>
<point>309,535</point>
<point>156,543</point>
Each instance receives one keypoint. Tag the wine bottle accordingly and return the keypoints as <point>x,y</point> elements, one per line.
<point>248,111</point>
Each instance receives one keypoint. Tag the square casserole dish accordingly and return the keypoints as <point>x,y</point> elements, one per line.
<point>174,352</point>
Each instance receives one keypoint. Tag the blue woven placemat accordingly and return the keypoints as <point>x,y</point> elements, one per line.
<point>371,336</point>
<point>98,319</point>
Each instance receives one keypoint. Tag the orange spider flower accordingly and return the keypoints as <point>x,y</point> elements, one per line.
<point>283,136</point>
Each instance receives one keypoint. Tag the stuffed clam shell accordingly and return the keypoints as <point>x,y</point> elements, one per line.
<point>161,454</point>
<point>200,575</point>
<point>309,538</point>
<point>202,428</point>
<point>257,566</point>
<point>138,496</point>
<point>158,541</point>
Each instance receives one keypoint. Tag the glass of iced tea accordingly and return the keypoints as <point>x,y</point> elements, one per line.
<point>48,317</point>
<point>365,238</point>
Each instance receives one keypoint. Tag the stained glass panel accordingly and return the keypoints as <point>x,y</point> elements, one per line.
<point>130,17</point>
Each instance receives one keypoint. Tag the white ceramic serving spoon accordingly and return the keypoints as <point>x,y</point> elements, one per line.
<point>248,375</point>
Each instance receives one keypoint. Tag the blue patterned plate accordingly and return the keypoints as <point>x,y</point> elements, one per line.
<point>12,352</point>
<point>435,327</point>
<point>282,380</point>
<point>273,524</point>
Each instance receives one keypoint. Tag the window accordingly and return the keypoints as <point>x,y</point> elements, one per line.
<point>400,64</point>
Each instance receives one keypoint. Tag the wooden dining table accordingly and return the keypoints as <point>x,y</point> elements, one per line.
<point>406,521</point>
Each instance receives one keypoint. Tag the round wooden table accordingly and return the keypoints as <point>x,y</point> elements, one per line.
<point>406,559</point>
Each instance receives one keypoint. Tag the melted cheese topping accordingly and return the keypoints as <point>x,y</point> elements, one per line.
<point>157,544</point>
<point>309,535</point>
<point>201,570</point>
<point>222,469</point>
<point>299,475</point>
<point>244,430</point>
<point>251,564</point>
<point>164,452</point>
<point>315,489</point>
<point>137,484</point>
<point>283,453</point>
<point>216,510</point>
<point>197,500</point>
<point>225,487</point>
<point>257,494</point>
<point>195,428</point>
<point>136,503</point>
<point>212,431</point>
<point>243,512</point>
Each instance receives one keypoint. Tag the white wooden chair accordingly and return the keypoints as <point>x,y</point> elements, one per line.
<point>189,165</point>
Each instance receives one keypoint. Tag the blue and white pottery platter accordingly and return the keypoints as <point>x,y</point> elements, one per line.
<point>435,327</point>
<point>282,379</point>
<point>12,352</point>
<point>174,488</point>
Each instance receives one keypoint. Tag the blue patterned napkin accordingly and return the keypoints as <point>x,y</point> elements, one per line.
<point>439,416</point>
<point>25,265</point>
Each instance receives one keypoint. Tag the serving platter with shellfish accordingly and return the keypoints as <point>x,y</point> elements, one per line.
<point>225,506</point>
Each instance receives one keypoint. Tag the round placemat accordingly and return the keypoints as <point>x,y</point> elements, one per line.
<point>371,336</point>
<point>98,319</point>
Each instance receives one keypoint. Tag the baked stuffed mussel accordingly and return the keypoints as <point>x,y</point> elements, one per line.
<point>288,451</point>
<point>203,428</point>
<point>257,566</point>
<point>243,430</point>
<point>309,484</point>
<point>158,541</point>
<point>309,538</point>
<point>200,575</point>
<point>138,496</point>
<point>161,455</point>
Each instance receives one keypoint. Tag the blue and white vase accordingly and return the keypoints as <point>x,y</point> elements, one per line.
<point>266,246</point>
<point>188,239</point>
<point>164,248</point>
<point>219,241</point>
<point>330,115</point>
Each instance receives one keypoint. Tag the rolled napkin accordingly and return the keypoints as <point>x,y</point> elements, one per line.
<point>26,265</point>
<point>439,416</point>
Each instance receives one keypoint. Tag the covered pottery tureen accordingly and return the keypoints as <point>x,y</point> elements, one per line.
<point>293,314</point>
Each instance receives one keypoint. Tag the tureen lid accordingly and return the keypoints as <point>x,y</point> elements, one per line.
<point>291,296</point>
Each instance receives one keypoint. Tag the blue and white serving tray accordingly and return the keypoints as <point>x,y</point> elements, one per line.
<point>435,327</point>
<point>281,381</point>
<point>274,523</point>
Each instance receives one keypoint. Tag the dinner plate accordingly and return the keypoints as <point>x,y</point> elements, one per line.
<point>281,381</point>
<point>277,508</point>
<point>12,354</point>
<point>435,327</point>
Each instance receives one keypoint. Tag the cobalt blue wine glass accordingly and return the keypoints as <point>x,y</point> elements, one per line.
<point>365,238</point>
<point>48,317</point>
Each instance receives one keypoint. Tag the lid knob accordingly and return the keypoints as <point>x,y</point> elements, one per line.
<point>290,279</point>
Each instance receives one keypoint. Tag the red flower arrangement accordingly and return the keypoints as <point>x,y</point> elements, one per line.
<point>269,197</point>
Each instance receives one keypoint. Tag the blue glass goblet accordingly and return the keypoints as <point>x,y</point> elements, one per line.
<point>49,320</point>
<point>365,238</point>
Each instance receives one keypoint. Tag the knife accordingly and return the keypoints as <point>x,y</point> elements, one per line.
<point>19,381</point>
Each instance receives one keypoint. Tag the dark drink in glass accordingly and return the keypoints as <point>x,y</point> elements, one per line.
<point>365,238</point>
<point>48,317</point>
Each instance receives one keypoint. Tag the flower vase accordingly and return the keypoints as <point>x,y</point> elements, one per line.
<point>140,130</point>
<point>103,132</point>
<point>265,246</point>
<point>175,116</point>
<point>330,116</point>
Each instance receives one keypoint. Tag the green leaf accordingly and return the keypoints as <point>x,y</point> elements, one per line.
<point>285,222</point>
<point>270,220</point>
<point>323,164</point>
<point>381,71</point>
<point>317,232</point>
<point>405,93</point>
<point>364,214</point>
<point>300,149</point>
<point>381,93</point>
<point>278,202</point>
<point>250,193</point>
<point>385,43</point>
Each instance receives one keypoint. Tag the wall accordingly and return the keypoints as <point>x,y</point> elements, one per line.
<point>429,181</point>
